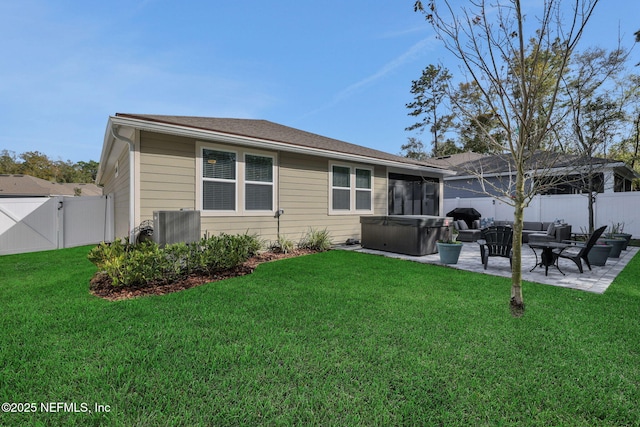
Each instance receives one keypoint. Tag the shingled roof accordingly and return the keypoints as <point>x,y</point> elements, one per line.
<point>30,186</point>
<point>541,160</point>
<point>269,131</point>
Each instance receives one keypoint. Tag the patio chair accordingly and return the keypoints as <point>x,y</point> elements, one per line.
<point>495,241</point>
<point>580,253</point>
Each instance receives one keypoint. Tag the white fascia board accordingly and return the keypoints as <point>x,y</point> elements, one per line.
<point>108,145</point>
<point>202,134</point>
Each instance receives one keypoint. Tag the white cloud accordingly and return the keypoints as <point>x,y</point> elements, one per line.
<point>412,54</point>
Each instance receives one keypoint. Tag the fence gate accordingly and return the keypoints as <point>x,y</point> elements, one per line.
<point>33,224</point>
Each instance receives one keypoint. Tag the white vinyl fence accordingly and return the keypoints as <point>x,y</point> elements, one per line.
<point>33,224</point>
<point>610,208</point>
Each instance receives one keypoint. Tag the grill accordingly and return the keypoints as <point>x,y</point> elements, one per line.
<point>467,214</point>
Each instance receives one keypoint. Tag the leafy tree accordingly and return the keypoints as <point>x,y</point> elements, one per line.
<point>468,97</point>
<point>88,170</point>
<point>595,113</point>
<point>448,147</point>
<point>513,71</point>
<point>627,149</point>
<point>430,93</point>
<point>8,162</point>
<point>39,165</point>
<point>414,149</point>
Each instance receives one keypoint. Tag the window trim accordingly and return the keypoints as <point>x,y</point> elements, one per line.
<point>362,189</point>
<point>332,188</point>
<point>205,179</point>
<point>272,183</point>
<point>240,181</point>
<point>352,189</point>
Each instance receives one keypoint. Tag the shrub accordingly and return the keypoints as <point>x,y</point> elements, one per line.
<point>110,258</point>
<point>283,245</point>
<point>317,240</point>
<point>146,262</point>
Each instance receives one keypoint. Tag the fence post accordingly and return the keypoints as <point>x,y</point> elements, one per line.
<point>59,205</point>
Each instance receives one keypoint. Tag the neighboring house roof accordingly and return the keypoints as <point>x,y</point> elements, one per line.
<point>260,131</point>
<point>453,160</point>
<point>503,164</point>
<point>30,186</point>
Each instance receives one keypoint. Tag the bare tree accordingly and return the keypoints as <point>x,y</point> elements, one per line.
<point>508,59</point>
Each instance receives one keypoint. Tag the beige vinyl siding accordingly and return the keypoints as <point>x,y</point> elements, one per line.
<point>167,173</point>
<point>118,186</point>
<point>380,191</point>
<point>304,196</point>
<point>265,227</point>
<point>168,182</point>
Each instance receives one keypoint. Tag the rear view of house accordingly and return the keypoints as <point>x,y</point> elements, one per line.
<point>256,176</point>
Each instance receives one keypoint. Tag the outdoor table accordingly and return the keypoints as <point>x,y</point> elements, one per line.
<point>548,256</point>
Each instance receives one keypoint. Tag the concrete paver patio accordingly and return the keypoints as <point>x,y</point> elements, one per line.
<point>597,280</point>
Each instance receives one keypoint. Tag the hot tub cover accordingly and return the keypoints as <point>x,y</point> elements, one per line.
<point>408,220</point>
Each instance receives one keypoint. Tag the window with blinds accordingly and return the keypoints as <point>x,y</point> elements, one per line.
<point>363,189</point>
<point>219,180</point>
<point>341,188</point>
<point>258,181</point>
<point>236,181</point>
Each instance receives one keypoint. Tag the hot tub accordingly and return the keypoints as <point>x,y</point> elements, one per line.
<point>404,234</point>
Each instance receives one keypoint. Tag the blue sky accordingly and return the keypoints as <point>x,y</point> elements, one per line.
<point>342,69</point>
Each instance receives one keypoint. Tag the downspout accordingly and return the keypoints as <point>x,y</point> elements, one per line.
<point>279,211</point>
<point>132,196</point>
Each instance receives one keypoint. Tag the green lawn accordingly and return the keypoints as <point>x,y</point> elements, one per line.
<point>337,338</point>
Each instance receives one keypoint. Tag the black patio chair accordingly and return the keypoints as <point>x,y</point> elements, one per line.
<point>580,253</point>
<point>495,241</point>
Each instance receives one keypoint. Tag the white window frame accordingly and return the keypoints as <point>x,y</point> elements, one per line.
<point>271,184</point>
<point>352,190</point>
<point>202,179</point>
<point>332,188</point>
<point>356,188</point>
<point>240,181</point>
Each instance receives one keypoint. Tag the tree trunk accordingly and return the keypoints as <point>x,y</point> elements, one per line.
<point>593,192</point>
<point>592,200</point>
<point>637,143</point>
<point>436,153</point>
<point>517,301</point>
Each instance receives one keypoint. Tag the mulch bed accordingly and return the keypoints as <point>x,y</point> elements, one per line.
<point>100,285</point>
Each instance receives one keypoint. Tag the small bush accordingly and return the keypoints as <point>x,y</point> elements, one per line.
<point>316,240</point>
<point>283,245</point>
<point>146,262</point>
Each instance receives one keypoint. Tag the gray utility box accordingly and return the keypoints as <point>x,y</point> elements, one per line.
<point>176,227</point>
<point>405,234</point>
